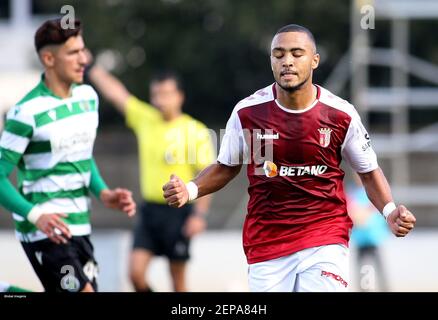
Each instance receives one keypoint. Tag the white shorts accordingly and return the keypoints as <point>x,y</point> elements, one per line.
<point>318,269</point>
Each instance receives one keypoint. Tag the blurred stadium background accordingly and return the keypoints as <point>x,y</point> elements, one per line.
<point>220,47</point>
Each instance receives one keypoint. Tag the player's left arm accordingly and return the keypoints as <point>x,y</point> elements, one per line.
<point>400,220</point>
<point>358,152</point>
<point>118,198</point>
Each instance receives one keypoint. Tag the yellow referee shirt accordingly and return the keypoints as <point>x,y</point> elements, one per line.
<point>182,146</point>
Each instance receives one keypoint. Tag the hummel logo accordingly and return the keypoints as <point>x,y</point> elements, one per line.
<point>268,136</point>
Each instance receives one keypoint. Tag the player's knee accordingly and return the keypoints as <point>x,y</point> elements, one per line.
<point>136,276</point>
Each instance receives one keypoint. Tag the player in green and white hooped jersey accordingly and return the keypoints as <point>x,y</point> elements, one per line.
<point>49,135</point>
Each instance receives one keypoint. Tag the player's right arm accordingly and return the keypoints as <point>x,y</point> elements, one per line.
<point>13,142</point>
<point>111,88</point>
<point>209,180</point>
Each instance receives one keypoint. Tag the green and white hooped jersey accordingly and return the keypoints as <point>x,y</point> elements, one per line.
<point>51,141</point>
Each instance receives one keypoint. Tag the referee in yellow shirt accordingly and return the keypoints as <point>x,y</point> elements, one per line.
<point>169,141</point>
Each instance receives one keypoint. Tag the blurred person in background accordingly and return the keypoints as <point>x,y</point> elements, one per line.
<point>168,141</point>
<point>293,135</point>
<point>369,232</point>
<point>49,135</point>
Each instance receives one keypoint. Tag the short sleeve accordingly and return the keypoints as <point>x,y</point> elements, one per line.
<point>138,111</point>
<point>357,149</point>
<point>16,136</point>
<point>233,147</point>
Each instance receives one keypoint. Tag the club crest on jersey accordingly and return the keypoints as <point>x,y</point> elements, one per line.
<point>324,136</point>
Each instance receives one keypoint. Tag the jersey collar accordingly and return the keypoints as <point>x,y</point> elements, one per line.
<point>314,103</point>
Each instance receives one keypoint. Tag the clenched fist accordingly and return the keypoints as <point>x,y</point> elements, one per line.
<point>175,192</point>
<point>401,221</point>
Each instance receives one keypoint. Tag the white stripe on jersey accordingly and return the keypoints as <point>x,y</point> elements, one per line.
<point>22,115</point>
<point>40,104</point>
<point>55,183</point>
<point>66,205</point>
<point>13,142</point>
<point>43,103</point>
<point>85,91</point>
<point>75,229</point>
<point>43,161</point>
<point>67,126</point>
<point>73,142</point>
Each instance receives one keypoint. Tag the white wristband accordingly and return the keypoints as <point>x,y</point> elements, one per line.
<point>34,214</point>
<point>388,208</point>
<point>192,189</point>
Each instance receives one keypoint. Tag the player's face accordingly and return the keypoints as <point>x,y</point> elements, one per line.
<point>166,96</point>
<point>70,60</point>
<point>293,59</point>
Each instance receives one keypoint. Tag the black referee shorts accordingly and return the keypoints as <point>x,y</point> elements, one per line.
<point>63,267</point>
<point>160,230</point>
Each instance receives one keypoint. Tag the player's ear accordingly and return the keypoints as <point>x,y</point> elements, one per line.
<point>182,96</point>
<point>47,57</point>
<point>315,61</point>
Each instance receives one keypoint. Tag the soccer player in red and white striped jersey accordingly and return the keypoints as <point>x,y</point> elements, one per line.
<point>293,135</point>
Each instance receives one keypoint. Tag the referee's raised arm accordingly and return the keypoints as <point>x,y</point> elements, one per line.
<point>111,88</point>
